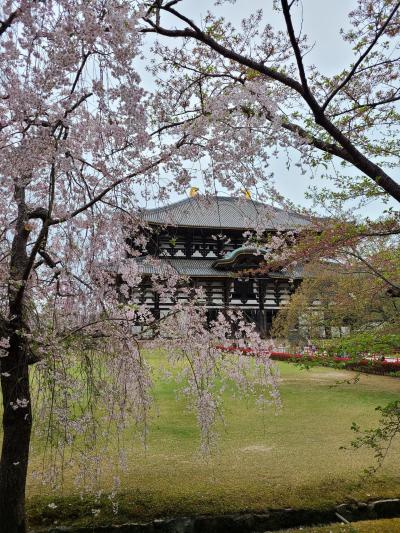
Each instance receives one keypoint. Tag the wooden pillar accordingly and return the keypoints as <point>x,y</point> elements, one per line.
<point>292,287</point>
<point>227,292</point>
<point>262,322</point>
<point>209,293</point>
<point>142,290</point>
<point>188,244</point>
<point>277,295</point>
<point>203,245</point>
<point>156,307</point>
<point>261,293</point>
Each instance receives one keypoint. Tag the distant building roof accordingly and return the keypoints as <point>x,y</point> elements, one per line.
<point>226,213</point>
<point>196,267</point>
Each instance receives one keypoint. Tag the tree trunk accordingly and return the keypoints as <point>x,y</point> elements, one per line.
<point>17,424</point>
<point>17,412</point>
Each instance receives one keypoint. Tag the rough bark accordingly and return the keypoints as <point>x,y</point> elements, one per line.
<point>17,414</point>
<point>17,425</point>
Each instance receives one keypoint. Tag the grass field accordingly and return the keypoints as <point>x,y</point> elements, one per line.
<point>264,460</point>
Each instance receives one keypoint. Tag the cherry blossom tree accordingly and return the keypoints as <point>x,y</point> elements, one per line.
<point>82,145</point>
<point>73,132</point>
<point>255,82</point>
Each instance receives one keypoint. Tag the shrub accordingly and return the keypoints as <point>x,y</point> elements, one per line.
<point>362,343</point>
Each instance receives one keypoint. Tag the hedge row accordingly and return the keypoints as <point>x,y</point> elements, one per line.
<point>374,367</point>
<point>362,365</point>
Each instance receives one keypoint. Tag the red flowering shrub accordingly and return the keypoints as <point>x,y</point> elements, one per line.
<point>371,366</point>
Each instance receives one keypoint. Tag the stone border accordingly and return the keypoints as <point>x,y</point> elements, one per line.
<point>270,520</point>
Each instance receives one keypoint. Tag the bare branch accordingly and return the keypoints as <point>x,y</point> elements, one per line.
<point>375,271</point>
<point>105,191</point>
<point>79,71</point>
<point>371,105</point>
<point>295,44</point>
<point>362,57</point>
<point>229,54</point>
<point>358,159</point>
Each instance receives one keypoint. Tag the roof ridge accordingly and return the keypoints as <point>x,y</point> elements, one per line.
<point>206,196</point>
<point>219,197</point>
<point>200,210</point>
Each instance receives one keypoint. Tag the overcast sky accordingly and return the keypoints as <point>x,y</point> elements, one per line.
<point>322,21</point>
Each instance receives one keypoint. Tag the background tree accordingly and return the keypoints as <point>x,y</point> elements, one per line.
<point>256,79</point>
<point>354,293</point>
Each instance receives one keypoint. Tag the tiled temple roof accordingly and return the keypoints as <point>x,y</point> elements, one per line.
<point>225,213</point>
<point>196,267</point>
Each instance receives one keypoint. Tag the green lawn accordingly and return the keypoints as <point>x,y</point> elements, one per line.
<point>264,460</point>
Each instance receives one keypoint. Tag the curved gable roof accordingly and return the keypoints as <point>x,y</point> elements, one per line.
<point>226,213</point>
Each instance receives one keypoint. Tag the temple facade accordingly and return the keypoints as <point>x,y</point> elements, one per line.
<point>210,240</point>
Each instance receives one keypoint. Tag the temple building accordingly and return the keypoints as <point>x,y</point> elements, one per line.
<point>212,241</point>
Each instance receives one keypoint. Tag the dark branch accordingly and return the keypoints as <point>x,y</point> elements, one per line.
<point>103,193</point>
<point>358,159</point>
<point>392,285</point>
<point>39,212</point>
<point>371,105</point>
<point>295,44</point>
<point>5,24</point>
<point>362,57</point>
<point>229,54</point>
